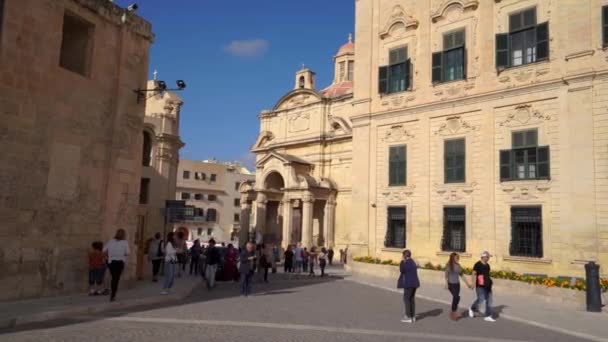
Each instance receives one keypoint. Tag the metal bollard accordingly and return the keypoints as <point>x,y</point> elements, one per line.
<point>594,299</point>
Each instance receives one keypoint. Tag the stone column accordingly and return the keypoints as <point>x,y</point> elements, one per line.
<point>330,214</point>
<point>307,212</point>
<point>244,221</point>
<point>260,214</point>
<point>287,211</point>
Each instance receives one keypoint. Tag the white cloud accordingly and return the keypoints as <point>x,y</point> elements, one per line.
<point>247,48</point>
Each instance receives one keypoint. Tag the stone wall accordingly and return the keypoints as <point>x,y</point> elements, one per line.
<point>71,160</point>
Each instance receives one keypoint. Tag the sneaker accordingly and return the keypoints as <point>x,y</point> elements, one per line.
<point>489,319</point>
<point>164,292</point>
<point>414,319</point>
<point>471,313</point>
<point>407,320</point>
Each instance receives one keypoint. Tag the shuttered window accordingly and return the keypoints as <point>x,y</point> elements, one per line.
<point>526,232</point>
<point>454,236</point>
<point>604,24</point>
<point>395,230</point>
<point>211,215</point>
<point>450,64</point>
<point>396,77</point>
<point>397,174</point>
<point>454,161</point>
<point>526,160</point>
<point>527,42</point>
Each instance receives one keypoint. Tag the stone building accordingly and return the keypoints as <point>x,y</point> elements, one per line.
<point>71,131</point>
<point>160,157</point>
<point>476,125</point>
<point>211,190</point>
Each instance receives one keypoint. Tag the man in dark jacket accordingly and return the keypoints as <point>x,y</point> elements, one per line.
<point>212,260</point>
<point>247,268</point>
<point>409,282</point>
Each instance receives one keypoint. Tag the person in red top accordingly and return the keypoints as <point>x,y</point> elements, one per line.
<point>97,269</point>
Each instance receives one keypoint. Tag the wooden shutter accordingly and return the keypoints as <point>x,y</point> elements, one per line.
<point>437,72</point>
<point>464,63</point>
<point>408,74</point>
<point>506,157</point>
<point>605,25</point>
<point>542,161</point>
<point>383,80</point>
<point>542,41</point>
<point>502,51</point>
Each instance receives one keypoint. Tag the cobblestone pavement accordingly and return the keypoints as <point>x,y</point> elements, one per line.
<point>288,309</point>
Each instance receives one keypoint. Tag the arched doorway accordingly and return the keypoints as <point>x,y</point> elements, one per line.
<point>185,231</point>
<point>272,221</point>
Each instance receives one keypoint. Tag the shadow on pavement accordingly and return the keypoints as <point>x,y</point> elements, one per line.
<point>431,313</point>
<point>280,283</point>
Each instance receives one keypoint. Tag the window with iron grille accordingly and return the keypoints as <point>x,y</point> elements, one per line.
<point>604,24</point>
<point>395,230</point>
<point>454,160</point>
<point>527,42</point>
<point>199,197</point>
<point>211,215</point>
<point>454,232</point>
<point>186,174</point>
<point>199,212</point>
<point>237,202</point>
<point>449,64</point>
<point>526,232</point>
<point>397,172</point>
<point>396,76</point>
<point>185,195</point>
<point>526,160</point>
<point>213,177</point>
<point>212,197</point>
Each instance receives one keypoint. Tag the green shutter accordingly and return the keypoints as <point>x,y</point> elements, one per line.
<point>543,162</point>
<point>383,80</point>
<point>454,161</point>
<point>408,74</point>
<point>605,25</point>
<point>506,161</point>
<point>437,72</point>
<point>542,41</point>
<point>464,63</point>
<point>502,51</point>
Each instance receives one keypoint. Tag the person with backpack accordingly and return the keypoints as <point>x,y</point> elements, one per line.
<point>483,287</point>
<point>453,273</point>
<point>213,259</point>
<point>409,282</point>
<point>155,255</point>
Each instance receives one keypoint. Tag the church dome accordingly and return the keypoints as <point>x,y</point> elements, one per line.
<point>348,48</point>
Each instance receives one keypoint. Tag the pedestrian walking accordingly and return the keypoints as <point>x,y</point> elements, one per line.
<point>276,258</point>
<point>264,265</point>
<point>288,262</point>
<point>483,287</point>
<point>117,251</point>
<point>409,282</point>
<point>182,249</point>
<point>195,254</point>
<point>171,262</point>
<point>231,272</point>
<point>312,259</point>
<point>322,257</point>
<point>297,253</point>
<point>97,269</point>
<point>247,268</point>
<point>155,255</point>
<point>453,273</point>
<point>212,259</point>
<point>305,256</point>
<point>330,256</point>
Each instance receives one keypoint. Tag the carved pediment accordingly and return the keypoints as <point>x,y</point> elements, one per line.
<point>398,22</point>
<point>455,125</point>
<point>297,98</point>
<point>397,133</point>
<point>339,124</point>
<point>263,139</point>
<point>453,9</point>
<point>523,115</point>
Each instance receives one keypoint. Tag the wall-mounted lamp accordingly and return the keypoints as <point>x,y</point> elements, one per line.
<point>161,87</point>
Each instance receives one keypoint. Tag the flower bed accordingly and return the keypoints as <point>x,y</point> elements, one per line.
<point>534,280</point>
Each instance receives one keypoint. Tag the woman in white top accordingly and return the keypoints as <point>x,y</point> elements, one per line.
<point>117,251</point>
<point>170,262</point>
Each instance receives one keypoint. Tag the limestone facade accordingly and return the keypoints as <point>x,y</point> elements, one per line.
<point>160,157</point>
<point>71,131</point>
<point>428,77</point>
<point>211,190</point>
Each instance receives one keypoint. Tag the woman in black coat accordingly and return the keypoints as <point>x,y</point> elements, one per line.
<point>409,282</point>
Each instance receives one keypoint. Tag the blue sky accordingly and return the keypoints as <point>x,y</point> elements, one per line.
<point>239,57</point>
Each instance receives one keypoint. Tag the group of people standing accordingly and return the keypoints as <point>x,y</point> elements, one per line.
<point>481,282</point>
<point>298,259</point>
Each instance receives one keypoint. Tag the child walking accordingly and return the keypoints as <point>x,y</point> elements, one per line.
<point>97,269</point>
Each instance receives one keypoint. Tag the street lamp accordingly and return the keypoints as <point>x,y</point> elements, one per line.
<point>160,87</point>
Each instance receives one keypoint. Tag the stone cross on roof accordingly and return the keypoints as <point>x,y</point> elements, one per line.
<point>155,73</point>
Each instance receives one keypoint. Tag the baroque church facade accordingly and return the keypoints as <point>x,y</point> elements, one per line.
<point>464,126</point>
